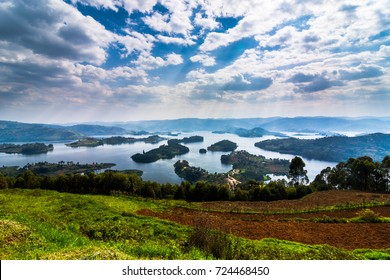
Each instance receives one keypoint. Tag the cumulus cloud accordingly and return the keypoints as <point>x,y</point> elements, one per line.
<point>177,21</point>
<point>175,40</point>
<point>54,29</point>
<point>206,22</point>
<point>204,59</point>
<point>300,51</point>
<point>148,62</point>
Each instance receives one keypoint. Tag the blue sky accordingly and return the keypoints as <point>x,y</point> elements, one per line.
<point>123,60</point>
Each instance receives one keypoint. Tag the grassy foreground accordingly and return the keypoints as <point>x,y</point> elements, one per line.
<point>40,224</point>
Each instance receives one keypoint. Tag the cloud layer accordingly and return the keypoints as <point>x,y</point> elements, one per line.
<point>83,60</point>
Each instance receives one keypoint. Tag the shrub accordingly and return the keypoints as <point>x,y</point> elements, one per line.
<point>368,216</point>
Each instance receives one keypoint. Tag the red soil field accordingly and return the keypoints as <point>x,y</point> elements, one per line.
<point>298,227</point>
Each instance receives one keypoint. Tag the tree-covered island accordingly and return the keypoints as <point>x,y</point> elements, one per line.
<point>62,167</point>
<point>115,140</point>
<point>223,146</point>
<point>191,139</point>
<point>27,149</point>
<point>168,151</point>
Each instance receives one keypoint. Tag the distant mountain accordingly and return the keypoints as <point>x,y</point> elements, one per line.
<point>15,131</point>
<point>297,124</point>
<point>192,124</point>
<point>318,124</point>
<point>336,148</point>
<point>91,130</point>
<point>254,132</point>
<point>25,132</point>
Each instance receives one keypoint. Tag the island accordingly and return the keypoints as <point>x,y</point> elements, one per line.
<point>53,169</point>
<point>115,140</point>
<point>168,151</point>
<point>187,140</point>
<point>334,149</point>
<point>223,146</point>
<point>202,151</point>
<point>86,142</point>
<point>27,149</point>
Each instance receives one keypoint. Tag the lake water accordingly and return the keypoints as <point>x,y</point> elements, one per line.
<point>160,171</point>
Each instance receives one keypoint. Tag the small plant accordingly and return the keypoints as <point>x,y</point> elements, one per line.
<point>368,216</point>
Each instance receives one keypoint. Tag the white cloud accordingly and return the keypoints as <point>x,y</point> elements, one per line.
<point>204,59</point>
<point>135,41</point>
<point>176,22</point>
<point>207,23</point>
<point>106,4</point>
<point>175,40</point>
<point>140,5</point>
<point>148,62</point>
<point>174,59</point>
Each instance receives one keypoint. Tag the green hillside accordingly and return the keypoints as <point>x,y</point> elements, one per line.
<point>38,224</point>
<point>336,148</point>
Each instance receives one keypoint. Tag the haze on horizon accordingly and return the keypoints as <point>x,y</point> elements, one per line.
<point>123,60</point>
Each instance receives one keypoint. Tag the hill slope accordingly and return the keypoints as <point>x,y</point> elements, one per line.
<point>25,132</point>
<point>336,148</point>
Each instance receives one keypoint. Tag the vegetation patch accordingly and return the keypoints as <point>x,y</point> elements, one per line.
<point>12,231</point>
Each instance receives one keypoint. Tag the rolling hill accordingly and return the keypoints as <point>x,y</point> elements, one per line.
<point>336,148</point>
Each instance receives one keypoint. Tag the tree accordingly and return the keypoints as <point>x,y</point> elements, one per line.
<point>297,172</point>
<point>366,174</point>
<point>386,168</point>
<point>322,180</point>
<point>3,182</point>
<point>28,180</point>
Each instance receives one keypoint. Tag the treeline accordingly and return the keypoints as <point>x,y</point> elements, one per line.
<point>361,173</point>
<point>108,183</point>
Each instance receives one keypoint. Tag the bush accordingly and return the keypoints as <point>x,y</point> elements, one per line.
<point>368,216</point>
<point>213,242</point>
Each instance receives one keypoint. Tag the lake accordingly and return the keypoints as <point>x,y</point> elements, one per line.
<point>161,171</point>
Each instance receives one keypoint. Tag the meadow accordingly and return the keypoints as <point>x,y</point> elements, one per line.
<point>44,224</point>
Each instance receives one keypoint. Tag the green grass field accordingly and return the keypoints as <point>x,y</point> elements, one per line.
<point>39,224</point>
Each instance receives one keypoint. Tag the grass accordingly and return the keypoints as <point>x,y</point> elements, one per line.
<point>38,224</point>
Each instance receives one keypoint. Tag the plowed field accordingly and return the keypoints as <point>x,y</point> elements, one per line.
<point>300,227</point>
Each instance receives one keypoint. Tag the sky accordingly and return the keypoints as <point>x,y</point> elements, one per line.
<point>125,60</point>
